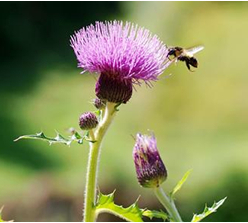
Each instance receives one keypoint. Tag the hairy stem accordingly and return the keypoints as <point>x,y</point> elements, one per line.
<point>91,177</point>
<point>168,203</point>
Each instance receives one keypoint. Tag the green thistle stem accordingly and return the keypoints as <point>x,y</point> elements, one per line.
<point>168,203</point>
<point>91,177</point>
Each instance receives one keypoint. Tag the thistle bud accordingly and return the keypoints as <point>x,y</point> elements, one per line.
<point>99,104</point>
<point>150,168</point>
<point>87,121</point>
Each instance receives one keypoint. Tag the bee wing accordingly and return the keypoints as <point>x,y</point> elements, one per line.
<point>194,50</point>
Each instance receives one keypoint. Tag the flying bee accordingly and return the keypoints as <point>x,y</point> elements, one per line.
<point>185,55</point>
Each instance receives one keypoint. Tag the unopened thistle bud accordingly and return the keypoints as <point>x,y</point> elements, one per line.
<point>99,104</point>
<point>150,168</point>
<point>87,121</point>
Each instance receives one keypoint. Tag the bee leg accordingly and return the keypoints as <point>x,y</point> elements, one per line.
<point>168,57</point>
<point>188,65</point>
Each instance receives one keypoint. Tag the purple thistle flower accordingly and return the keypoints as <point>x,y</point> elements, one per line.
<point>150,168</point>
<point>123,54</point>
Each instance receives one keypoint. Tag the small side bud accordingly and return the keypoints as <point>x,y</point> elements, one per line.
<point>87,121</point>
<point>98,103</point>
<point>150,168</point>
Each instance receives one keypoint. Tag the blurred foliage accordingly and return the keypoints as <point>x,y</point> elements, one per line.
<point>200,119</point>
<point>35,36</point>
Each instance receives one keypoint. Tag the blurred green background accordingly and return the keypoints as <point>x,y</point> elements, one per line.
<point>200,119</point>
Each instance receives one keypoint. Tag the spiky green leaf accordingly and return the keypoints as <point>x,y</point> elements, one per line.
<point>155,214</point>
<point>76,137</point>
<point>132,213</point>
<point>106,204</point>
<point>207,211</point>
<point>180,183</point>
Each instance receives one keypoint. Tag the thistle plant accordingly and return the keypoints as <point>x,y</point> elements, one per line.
<point>123,55</point>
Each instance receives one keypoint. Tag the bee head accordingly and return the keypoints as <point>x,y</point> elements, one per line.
<point>171,52</point>
<point>193,62</point>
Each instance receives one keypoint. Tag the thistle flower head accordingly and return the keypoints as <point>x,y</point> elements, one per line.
<point>122,53</point>
<point>87,121</point>
<point>150,168</point>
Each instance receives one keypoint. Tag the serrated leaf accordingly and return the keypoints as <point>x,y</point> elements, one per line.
<point>207,211</point>
<point>76,137</point>
<point>155,214</point>
<point>106,204</point>
<point>180,183</point>
<point>132,213</point>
